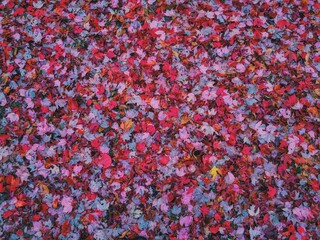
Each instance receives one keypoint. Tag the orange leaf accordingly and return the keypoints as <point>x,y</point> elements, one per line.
<point>20,203</point>
<point>123,234</point>
<point>311,148</point>
<point>45,189</point>
<point>127,125</point>
<point>313,111</point>
<point>175,53</point>
<point>55,203</point>
<point>184,119</point>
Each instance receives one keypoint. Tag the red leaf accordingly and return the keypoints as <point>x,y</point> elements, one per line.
<point>110,54</point>
<point>151,129</point>
<point>246,150</point>
<point>164,160</point>
<point>205,210</point>
<point>4,137</point>
<point>98,55</point>
<point>315,186</point>
<point>173,112</point>
<point>214,229</point>
<point>293,237</point>
<point>18,11</point>
<point>65,228</point>
<point>7,214</point>
<point>95,143</point>
<point>91,196</point>
<point>44,208</point>
<point>197,117</point>
<point>282,23</point>
<point>74,105</point>
<point>272,192</point>
<point>141,146</point>
<point>77,29</point>
<point>105,160</point>
<point>217,217</point>
<point>293,100</point>
<point>257,22</point>
<point>170,197</point>
<point>10,68</point>
<point>93,127</point>
<point>100,89</point>
<point>282,169</point>
<point>301,230</point>
<point>232,140</point>
<point>112,105</point>
<point>36,217</point>
<point>283,143</point>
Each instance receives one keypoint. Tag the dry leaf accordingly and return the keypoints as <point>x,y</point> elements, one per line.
<point>184,119</point>
<point>317,91</point>
<point>87,18</point>
<point>307,58</point>
<point>127,125</point>
<point>44,188</point>
<point>175,53</point>
<point>124,234</point>
<point>313,111</point>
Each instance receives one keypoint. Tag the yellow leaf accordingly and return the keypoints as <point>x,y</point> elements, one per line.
<point>214,172</point>
<point>127,125</point>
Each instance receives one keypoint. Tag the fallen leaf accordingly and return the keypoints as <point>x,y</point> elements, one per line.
<point>127,125</point>
<point>214,172</point>
<point>184,119</point>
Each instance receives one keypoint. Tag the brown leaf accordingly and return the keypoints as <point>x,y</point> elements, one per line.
<point>87,18</point>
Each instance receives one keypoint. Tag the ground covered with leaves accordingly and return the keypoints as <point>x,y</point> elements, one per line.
<point>161,119</point>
